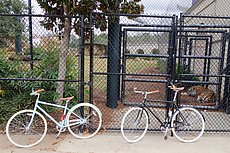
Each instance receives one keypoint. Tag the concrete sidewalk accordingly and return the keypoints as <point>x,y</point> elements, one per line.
<point>114,143</point>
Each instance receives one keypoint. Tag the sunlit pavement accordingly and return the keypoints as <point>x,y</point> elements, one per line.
<point>114,143</point>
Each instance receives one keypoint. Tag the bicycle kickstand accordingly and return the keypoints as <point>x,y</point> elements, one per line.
<point>58,134</point>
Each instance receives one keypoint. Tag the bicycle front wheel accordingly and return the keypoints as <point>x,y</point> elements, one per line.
<point>188,124</point>
<point>21,134</point>
<point>84,120</point>
<point>134,124</point>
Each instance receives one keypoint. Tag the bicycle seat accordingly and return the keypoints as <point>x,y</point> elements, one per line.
<point>39,90</point>
<point>66,98</point>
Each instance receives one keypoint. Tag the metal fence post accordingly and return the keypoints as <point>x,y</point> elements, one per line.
<point>30,34</point>
<point>113,79</point>
<point>82,43</point>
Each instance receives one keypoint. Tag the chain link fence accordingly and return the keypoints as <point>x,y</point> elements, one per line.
<point>141,51</point>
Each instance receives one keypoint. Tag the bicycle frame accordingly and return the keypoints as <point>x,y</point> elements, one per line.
<point>169,112</point>
<point>61,125</point>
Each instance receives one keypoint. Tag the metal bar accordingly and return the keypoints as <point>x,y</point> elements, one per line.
<point>149,30</point>
<point>221,75</point>
<point>199,36</point>
<point>147,55</point>
<point>146,80</point>
<point>146,25</point>
<point>203,16</point>
<point>31,79</point>
<point>158,104</point>
<point>221,65</point>
<point>204,31</point>
<point>39,15</point>
<point>226,96</point>
<point>200,82</point>
<point>132,74</point>
<point>82,56</point>
<point>200,57</point>
<point>120,62</point>
<point>180,46</point>
<point>91,59</point>
<point>134,15</point>
<point>209,61</point>
<point>189,54</point>
<point>195,38</point>
<point>124,65</point>
<point>185,49</point>
<point>205,60</point>
<point>206,26</point>
<point>30,35</point>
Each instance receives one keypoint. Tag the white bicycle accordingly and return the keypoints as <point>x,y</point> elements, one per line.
<point>27,128</point>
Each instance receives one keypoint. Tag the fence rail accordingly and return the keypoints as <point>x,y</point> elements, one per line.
<point>144,52</point>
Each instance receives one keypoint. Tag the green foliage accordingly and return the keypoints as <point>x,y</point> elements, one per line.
<point>132,7</point>
<point>127,51</point>
<point>162,65</point>
<point>155,51</point>
<point>184,70</point>
<point>140,51</point>
<point>13,104</point>
<point>11,25</point>
<point>36,51</point>
<point>14,94</point>
<point>70,7</point>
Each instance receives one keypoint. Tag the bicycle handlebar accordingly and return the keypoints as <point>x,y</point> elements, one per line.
<point>172,87</point>
<point>36,92</point>
<point>145,92</point>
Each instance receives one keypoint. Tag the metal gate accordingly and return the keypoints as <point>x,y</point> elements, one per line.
<point>155,49</point>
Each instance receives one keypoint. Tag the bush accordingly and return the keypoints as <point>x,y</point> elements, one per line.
<point>140,51</point>
<point>127,51</point>
<point>36,51</point>
<point>184,70</point>
<point>14,94</point>
<point>155,51</point>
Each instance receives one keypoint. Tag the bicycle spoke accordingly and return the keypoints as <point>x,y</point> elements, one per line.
<point>134,124</point>
<point>90,120</point>
<point>20,134</point>
<point>188,125</point>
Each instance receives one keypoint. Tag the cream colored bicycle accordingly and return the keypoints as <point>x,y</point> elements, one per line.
<point>27,128</point>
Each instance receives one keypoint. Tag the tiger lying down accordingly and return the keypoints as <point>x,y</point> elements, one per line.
<point>203,94</point>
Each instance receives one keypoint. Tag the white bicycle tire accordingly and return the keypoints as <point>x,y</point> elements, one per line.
<point>202,121</point>
<point>13,116</point>
<point>123,121</point>
<point>87,105</point>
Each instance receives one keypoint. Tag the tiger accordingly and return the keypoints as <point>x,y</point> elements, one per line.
<point>203,94</point>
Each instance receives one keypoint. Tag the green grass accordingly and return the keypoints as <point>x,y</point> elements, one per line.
<point>100,65</point>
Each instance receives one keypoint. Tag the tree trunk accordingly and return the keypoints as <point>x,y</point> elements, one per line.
<point>63,56</point>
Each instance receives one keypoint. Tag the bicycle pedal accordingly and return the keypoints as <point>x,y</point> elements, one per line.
<point>165,137</point>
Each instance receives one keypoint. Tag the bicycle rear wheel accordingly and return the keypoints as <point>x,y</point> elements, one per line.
<point>84,120</point>
<point>20,134</point>
<point>188,124</point>
<point>134,124</point>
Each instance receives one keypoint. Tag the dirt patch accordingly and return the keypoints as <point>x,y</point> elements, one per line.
<point>112,117</point>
